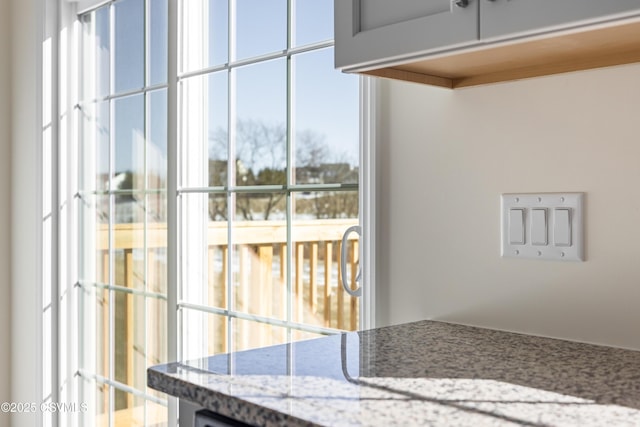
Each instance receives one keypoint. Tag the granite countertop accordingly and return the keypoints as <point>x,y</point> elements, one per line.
<point>419,374</point>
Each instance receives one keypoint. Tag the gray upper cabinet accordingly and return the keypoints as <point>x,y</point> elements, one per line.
<point>499,18</point>
<point>462,43</point>
<point>383,31</point>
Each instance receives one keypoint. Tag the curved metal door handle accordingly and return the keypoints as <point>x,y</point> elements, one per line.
<point>343,262</point>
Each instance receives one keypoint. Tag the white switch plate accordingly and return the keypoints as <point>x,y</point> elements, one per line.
<point>552,250</point>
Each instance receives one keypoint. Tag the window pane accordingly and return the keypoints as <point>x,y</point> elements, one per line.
<point>130,346</point>
<point>203,335</point>
<point>261,133</point>
<point>203,235</point>
<point>157,415</point>
<point>157,243</point>
<point>129,240</point>
<point>129,268</point>
<point>157,216</point>
<point>157,41</point>
<point>157,262</point>
<point>327,121</point>
<point>129,410</point>
<point>94,167</point>
<point>129,220</point>
<point>215,328</point>
<point>157,147</point>
<point>124,152</point>
<point>129,143</point>
<point>205,25</point>
<point>204,130</point>
<point>157,332</point>
<point>95,54</point>
<point>261,27</point>
<point>94,329</point>
<point>250,335</point>
<point>101,149</point>
<point>302,335</point>
<point>129,45</point>
<point>96,48</point>
<point>314,21</point>
<point>260,207</point>
<point>102,331</point>
<point>320,219</point>
<point>260,234</point>
<point>94,214</point>
<point>101,406</point>
<point>218,128</point>
<point>338,205</point>
<point>218,13</point>
<point>156,354</point>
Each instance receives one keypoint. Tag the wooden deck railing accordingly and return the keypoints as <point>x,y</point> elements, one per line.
<point>259,280</point>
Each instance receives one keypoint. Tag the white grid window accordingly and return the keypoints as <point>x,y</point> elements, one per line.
<point>123,210</point>
<point>264,181</point>
<point>268,177</point>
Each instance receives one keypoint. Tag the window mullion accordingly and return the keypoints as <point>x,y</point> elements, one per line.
<point>112,261</point>
<point>290,178</point>
<point>173,160</point>
<point>258,59</point>
<point>231,171</point>
<point>146,97</point>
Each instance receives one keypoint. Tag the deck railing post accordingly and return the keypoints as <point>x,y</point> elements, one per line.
<point>265,257</point>
<point>299,282</point>
<point>128,277</point>
<point>313,277</point>
<point>328,266</point>
<point>340,290</point>
<point>223,289</point>
<point>242,303</point>
<point>353,315</point>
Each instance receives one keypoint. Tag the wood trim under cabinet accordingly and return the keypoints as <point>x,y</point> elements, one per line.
<point>410,76</point>
<point>574,51</point>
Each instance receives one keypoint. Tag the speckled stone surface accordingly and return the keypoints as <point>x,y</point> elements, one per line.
<point>419,374</point>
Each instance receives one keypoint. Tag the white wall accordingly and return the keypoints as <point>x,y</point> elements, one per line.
<point>25,350</point>
<point>445,158</point>
<point>5,208</point>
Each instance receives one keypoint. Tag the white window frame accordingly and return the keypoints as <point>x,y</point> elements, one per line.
<point>232,188</point>
<point>65,12</point>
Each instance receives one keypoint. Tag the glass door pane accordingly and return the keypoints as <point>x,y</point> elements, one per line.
<point>320,220</point>
<point>269,176</point>
<point>327,112</point>
<point>123,206</point>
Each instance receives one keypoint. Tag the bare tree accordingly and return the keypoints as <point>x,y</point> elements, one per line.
<point>261,158</point>
<point>312,149</point>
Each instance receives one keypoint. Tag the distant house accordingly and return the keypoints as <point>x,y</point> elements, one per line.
<point>327,173</point>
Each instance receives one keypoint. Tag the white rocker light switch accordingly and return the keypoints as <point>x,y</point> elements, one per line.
<point>539,227</point>
<point>562,227</point>
<point>542,226</point>
<point>516,226</point>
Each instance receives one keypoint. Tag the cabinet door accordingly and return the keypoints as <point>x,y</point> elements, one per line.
<point>379,32</point>
<point>519,17</point>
